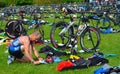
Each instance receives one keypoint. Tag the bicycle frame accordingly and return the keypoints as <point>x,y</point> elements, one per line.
<point>65,29</point>
<point>74,37</point>
<point>71,23</point>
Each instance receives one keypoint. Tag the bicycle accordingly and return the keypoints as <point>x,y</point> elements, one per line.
<point>16,28</point>
<point>63,34</point>
<point>107,20</point>
<point>113,21</point>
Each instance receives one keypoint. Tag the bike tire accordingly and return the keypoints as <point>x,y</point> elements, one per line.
<point>13,29</point>
<point>56,39</point>
<point>87,37</point>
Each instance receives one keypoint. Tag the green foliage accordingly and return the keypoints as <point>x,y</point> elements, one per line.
<point>72,1</point>
<point>2,4</point>
<point>24,2</point>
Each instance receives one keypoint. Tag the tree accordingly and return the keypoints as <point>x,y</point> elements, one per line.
<point>38,2</point>
<point>2,4</point>
<point>43,2</point>
<point>24,2</point>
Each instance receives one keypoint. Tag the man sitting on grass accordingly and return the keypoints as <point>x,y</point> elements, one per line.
<point>25,44</point>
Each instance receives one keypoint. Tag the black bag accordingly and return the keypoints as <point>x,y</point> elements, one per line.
<point>47,49</point>
<point>114,70</point>
<point>82,63</point>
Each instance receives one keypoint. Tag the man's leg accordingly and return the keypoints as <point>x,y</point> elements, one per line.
<point>25,58</point>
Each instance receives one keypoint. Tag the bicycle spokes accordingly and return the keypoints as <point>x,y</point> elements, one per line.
<point>62,39</point>
<point>90,39</point>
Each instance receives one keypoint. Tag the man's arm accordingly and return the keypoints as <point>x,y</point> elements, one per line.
<point>27,50</point>
<point>30,56</point>
<point>36,52</point>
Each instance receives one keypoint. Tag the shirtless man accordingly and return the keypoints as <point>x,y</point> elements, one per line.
<point>25,44</point>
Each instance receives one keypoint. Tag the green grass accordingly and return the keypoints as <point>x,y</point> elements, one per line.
<point>110,43</point>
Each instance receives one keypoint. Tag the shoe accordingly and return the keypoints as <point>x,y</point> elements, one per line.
<point>10,59</point>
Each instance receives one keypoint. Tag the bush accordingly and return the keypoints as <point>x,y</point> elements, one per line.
<point>24,2</point>
<point>2,4</point>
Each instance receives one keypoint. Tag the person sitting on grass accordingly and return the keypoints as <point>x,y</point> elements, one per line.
<point>25,44</point>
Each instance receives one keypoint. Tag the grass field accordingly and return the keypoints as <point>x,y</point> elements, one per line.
<point>110,43</point>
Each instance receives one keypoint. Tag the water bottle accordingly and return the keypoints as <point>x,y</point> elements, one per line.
<point>80,28</point>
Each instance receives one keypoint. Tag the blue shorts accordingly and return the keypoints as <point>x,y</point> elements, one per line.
<point>15,51</point>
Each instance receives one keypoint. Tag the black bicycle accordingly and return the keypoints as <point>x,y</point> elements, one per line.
<point>107,20</point>
<point>16,28</point>
<point>63,34</point>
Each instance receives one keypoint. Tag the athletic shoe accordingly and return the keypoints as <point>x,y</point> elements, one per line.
<point>10,59</point>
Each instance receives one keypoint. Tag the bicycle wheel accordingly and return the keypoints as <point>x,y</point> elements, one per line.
<point>106,22</point>
<point>90,39</point>
<point>60,40</point>
<point>116,27</point>
<point>13,29</point>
